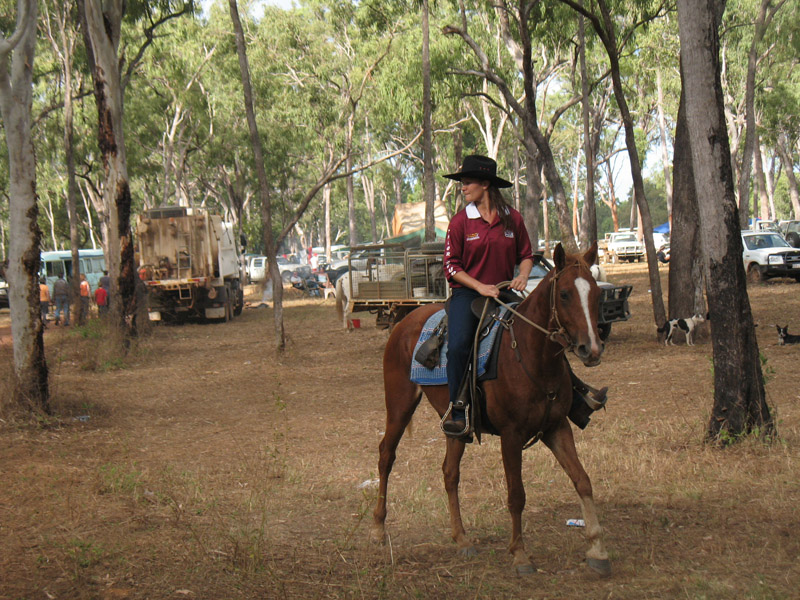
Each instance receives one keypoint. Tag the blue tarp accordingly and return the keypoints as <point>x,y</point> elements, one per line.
<point>662,228</point>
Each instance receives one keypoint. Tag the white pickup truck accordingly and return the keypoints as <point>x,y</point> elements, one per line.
<point>623,246</point>
<point>767,254</point>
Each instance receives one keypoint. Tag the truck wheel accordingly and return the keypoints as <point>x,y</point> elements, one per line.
<point>237,308</point>
<point>794,239</point>
<point>755,274</point>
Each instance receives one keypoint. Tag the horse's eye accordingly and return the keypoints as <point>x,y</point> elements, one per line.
<point>564,295</point>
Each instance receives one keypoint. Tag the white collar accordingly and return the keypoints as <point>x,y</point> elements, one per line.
<point>474,213</point>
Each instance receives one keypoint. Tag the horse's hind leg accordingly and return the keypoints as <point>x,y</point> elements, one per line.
<point>401,403</point>
<point>562,444</point>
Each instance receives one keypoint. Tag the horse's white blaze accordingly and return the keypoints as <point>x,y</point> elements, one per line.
<point>583,288</point>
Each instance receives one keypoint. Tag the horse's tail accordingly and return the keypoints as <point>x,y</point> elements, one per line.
<point>339,298</point>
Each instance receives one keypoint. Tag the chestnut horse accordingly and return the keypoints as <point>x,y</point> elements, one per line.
<point>528,401</point>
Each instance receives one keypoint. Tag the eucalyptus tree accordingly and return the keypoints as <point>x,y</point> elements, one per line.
<point>686,265</point>
<point>169,111</point>
<point>658,48</point>
<point>102,25</point>
<point>616,30</point>
<point>263,184</point>
<point>777,105</point>
<point>739,401</point>
<point>517,24</point>
<point>61,27</point>
<point>764,15</point>
<point>31,391</point>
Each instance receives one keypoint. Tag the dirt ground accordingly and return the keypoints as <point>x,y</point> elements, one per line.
<point>203,466</point>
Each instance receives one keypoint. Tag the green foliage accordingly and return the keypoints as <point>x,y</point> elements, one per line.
<point>188,140</point>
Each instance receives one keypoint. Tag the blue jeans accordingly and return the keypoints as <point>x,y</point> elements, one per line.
<point>461,326</point>
<point>62,304</point>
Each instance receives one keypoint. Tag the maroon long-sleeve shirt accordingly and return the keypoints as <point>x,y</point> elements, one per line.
<point>486,252</point>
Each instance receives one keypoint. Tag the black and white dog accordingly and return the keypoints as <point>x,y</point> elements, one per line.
<point>784,337</point>
<point>686,325</point>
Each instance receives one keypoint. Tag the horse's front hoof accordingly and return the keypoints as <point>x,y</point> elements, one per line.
<point>377,535</point>
<point>468,552</point>
<point>601,566</point>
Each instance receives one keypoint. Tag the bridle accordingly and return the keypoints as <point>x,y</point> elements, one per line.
<point>558,335</point>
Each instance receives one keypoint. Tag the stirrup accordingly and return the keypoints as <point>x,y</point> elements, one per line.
<point>453,434</point>
<point>596,399</point>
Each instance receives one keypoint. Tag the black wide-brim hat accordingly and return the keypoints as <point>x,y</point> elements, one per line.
<point>479,167</point>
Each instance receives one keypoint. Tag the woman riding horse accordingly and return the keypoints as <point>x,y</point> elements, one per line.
<point>528,401</point>
<point>485,241</point>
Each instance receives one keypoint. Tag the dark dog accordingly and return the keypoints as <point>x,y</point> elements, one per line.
<point>686,325</point>
<point>784,337</point>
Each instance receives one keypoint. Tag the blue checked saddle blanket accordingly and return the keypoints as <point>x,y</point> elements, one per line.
<point>438,375</point>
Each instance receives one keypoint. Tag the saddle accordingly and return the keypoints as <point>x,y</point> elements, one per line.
<point>429,352</point>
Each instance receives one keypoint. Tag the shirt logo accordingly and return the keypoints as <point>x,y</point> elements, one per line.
<point>509,233</point>
<point>472,237</point>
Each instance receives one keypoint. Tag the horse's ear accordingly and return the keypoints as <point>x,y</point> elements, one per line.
<point>559,257</point>
<point>590,256</point>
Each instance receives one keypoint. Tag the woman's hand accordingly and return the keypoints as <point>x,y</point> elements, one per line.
<point>490,291</point>
<point>518,283</point>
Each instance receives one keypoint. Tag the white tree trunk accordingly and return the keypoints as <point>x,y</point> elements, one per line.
<point>102,22</point>
<point>30,366</point>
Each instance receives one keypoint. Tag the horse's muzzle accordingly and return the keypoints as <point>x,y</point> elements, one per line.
<point>589,353</point>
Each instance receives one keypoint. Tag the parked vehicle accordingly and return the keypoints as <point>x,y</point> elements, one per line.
<point>189,263</point>
<point>791,231</point>
<point>3,294</point>
<point>613,300</point>
<point>623,246</point>
<point>287,267</point>
<point>767,254</point>
<point>391,281</point>
<point>53,264</point>
<point>258,269</point>
<point>764,225</point>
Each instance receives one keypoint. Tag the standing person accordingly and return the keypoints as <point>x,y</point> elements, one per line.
<point>101,300</point>
<point>44,299</point>
<point>61,297</point>
<point>485,241</point>
<point>86,294</point>
<point>105,281</point>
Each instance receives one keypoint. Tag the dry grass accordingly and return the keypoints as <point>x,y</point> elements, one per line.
<point>209,468</point>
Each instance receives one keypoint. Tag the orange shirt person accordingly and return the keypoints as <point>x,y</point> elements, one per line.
<point>86,294</point>
<point>44,299</point>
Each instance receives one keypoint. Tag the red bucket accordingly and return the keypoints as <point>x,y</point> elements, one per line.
<point>356,323</point>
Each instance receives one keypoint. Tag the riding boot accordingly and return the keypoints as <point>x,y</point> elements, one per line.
<point>457,426</point>
<point>585,400</point>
